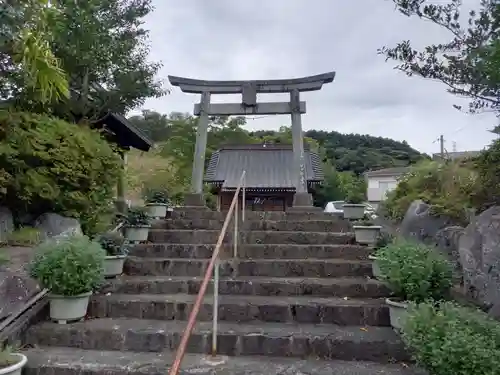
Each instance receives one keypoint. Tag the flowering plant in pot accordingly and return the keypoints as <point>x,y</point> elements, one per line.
<point>383,240</point>
<point>116,252</point>
<point>353,206</point>
<point>414,273</point>
<point>11,363</point>
<point>366,231</point>
<point>137,224</point>
<point>70,268</point>
<point>157,203</point>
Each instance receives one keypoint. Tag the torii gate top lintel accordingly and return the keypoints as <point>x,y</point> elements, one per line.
<point>198,86</point>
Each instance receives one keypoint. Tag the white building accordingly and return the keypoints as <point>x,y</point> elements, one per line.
<point>382,181</point>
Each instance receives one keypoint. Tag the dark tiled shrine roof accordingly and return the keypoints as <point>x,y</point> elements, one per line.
<point>267,166</point>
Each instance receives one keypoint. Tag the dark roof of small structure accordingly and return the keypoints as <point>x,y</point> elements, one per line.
<point>127,135</point>
<point>396,171</point>
<point>266,166</point>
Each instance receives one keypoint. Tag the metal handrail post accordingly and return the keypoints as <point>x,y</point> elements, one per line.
<point>235,237</point>
<point>212,269</point>
<point>243,197</point>
<point>215,314</point>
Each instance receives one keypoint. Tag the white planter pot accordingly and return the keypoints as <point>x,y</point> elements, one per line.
<point>113,265</point>
<point>137,234</point>
<point>68,308</point>
<point>398,313</point>
<point>157,210</point>
<point>375,267</point>
<point>353,211</point>
<point>366,235</point>
<point>17,368</point>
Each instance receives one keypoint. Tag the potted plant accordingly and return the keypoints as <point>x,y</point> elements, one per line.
<point>70,268</point>
<point>414,273</point>
<point>11,363</point>
<point>157,203</point>
<point>366,231</point>
<point>353,206</point>
<point>383,240</point>
<point>116,252</point>
<point>137,224</point>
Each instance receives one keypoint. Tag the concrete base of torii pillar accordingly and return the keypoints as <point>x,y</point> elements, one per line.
<point>303,202</point>
<point>195,201</point>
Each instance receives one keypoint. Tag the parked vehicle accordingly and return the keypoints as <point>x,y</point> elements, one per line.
<point>337,208</point>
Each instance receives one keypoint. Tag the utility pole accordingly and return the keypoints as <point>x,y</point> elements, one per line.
<point>441,146</point>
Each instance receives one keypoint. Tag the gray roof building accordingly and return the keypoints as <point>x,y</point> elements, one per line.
<point>267,166</point>
<point>387,172</point>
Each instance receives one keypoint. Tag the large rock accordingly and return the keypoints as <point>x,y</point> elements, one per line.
<point>447,241</point>
<point>53,225</point>
<point>420,225</point>
<point>479,249</point>
<point>6,223</point>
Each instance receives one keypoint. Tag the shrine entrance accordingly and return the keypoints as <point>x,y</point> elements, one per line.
<point>249,106</point>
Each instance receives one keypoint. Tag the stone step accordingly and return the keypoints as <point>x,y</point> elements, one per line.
<point>243,309</point>
<point>136,266</point>
<point>255,215</point>
<point>256,251</point>
<point>189,236</point>
<point>70,361</point>
<point>251,285</point>
<point>332,225</point>
<point>324,341</point>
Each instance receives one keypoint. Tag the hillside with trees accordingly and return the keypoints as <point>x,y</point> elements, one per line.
<point>345,156</point>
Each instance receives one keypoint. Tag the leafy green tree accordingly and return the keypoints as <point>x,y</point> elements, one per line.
<point>469,64</point>
<point>27,61</point>
<point>104,49</point>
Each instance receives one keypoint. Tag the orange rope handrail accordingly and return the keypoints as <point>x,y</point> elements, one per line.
<point>179,355</point>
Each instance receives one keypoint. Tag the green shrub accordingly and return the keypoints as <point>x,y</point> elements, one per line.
<point>354,197</point>
<point>159,196</point>
<point>4,258</point>
<point>69,266</point>
<point>24,236</point>
<point>384,239</point>
<point>415,272</point>
<point>447,187</point>
<point>49,165</point>
<point>448,339</point>
<point>487,165</point>
<point>7,357</point>
<point>137,216</point>
<point>113,243</point>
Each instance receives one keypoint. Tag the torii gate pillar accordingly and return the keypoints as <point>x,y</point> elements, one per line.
<point>249,106</point>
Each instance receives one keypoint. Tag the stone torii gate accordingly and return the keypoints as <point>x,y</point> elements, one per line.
<point>250,106</point>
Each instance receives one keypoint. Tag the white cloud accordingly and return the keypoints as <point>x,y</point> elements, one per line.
<point>262,39</point>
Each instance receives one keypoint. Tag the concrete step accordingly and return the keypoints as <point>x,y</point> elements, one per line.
<point>324,341</point>
<point>332,225</point>
<point>69,361</point>
<point>251,285</point>
<point>189,236</point>
<point>255,251</point>
<point>242,309</point>
<point>136,266</point>
<point>255,215</point>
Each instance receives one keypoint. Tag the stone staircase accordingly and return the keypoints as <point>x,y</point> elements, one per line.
<point>298,300</point>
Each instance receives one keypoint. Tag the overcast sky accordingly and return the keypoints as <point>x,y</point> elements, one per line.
<point>264,39</point>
